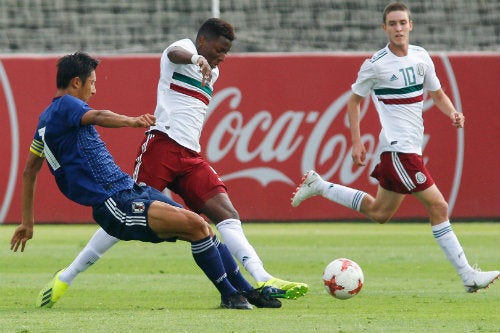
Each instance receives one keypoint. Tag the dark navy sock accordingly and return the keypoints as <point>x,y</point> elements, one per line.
<point>233,271</point>
<point>207,257</point>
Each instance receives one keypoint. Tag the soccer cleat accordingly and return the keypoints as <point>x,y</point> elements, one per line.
<point>306,188</point>
<point>265,297</point>
<point>479,280</point>
<point>292,290</point>
<point>235,301</point>
<point>51,293</point>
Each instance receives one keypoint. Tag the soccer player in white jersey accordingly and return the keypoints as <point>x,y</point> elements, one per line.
<point>396,76</point>
<point>169,157</point>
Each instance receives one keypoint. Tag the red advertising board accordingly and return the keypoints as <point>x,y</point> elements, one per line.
<point>273,117</point>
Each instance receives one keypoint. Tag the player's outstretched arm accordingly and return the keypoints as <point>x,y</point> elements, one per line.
<point>106,118</point>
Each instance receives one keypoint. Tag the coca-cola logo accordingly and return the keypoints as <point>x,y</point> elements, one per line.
<point>260,142</point>
<point>11,162</point>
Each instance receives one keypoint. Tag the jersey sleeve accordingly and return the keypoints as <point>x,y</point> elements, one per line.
<point>431,81</point>
<point>185,43</point>
<point>73,111</point>
<point>366,79</point>
<point>165,63</point>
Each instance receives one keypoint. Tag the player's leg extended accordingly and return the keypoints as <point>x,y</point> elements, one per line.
<point>262,298</point>
<point>220,208</point>
<point>312,185</point>
<point>379,209</point>
<point>56,288</point>
<point>472,278</point>
<point>168,221</point>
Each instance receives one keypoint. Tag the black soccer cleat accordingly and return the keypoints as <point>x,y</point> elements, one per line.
<point>264,297</point>
<point>235,301</point>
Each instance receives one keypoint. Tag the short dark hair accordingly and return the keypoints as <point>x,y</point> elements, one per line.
<point>214,28</point>
<point>78,64</point>
<point>394,7</point>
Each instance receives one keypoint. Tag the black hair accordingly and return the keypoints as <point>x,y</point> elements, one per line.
<point>214,28</point>
<point>78,64</point>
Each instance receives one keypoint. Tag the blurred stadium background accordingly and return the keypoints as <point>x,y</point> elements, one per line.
<point>133,26</point>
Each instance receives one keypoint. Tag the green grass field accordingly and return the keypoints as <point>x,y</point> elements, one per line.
<point>139,287</point>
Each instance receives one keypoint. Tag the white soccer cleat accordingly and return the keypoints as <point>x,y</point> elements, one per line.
<point>479,280</point>
<point>307,188</point>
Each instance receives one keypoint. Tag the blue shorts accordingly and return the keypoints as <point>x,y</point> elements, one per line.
<point>124,215</point>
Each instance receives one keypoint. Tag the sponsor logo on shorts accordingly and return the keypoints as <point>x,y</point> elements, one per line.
<point>420,178</point>
<point>138,207</point>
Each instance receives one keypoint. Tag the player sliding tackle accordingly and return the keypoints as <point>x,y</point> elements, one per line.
<point>86,173</point>
<point>169,157</point>
<point>399,103</point>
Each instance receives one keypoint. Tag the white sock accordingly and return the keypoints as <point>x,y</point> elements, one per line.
<point>346,196</point>
<point>237,243</point>
<point>95,248</point>
<point>444,235</point>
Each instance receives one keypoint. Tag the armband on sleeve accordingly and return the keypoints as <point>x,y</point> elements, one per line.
<point>37,148</point>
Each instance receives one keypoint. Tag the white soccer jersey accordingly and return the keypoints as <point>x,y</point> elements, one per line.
<point>182,102</point>
<point>397,85</point>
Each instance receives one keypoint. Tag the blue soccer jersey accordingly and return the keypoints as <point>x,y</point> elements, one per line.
<point>84,170</point>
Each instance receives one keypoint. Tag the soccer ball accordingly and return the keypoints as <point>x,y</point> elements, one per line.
<point>343,278</point>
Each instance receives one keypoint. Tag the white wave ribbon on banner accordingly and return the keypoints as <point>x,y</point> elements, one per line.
<point>262,175</point>
<point>14,130</point>
<point>460,134</point>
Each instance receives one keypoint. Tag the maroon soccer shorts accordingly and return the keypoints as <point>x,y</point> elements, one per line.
<point>163,163</point>
<point>402,173</point>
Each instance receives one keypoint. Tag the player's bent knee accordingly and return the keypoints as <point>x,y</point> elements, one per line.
<point>440,207</point>
<point>197,228</point>
<point>381,218</point>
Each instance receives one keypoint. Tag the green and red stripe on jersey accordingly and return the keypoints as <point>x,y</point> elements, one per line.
<point>416,90</point>
<point>205,98</point>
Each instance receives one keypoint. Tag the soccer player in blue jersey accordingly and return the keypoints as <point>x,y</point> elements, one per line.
<point>86,173</point>
<point>397,76</point>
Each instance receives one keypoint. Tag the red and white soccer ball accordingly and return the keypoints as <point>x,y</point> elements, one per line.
<point>343,278</point>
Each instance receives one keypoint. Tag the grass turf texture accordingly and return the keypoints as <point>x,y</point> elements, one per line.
<point>139,287</point>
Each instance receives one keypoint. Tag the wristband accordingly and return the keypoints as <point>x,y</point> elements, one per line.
<point>195,58</point>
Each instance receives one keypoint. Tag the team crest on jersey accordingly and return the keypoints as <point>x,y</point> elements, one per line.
<point>138,207</point>
<point>421,69</point>
<point>420,178</point>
